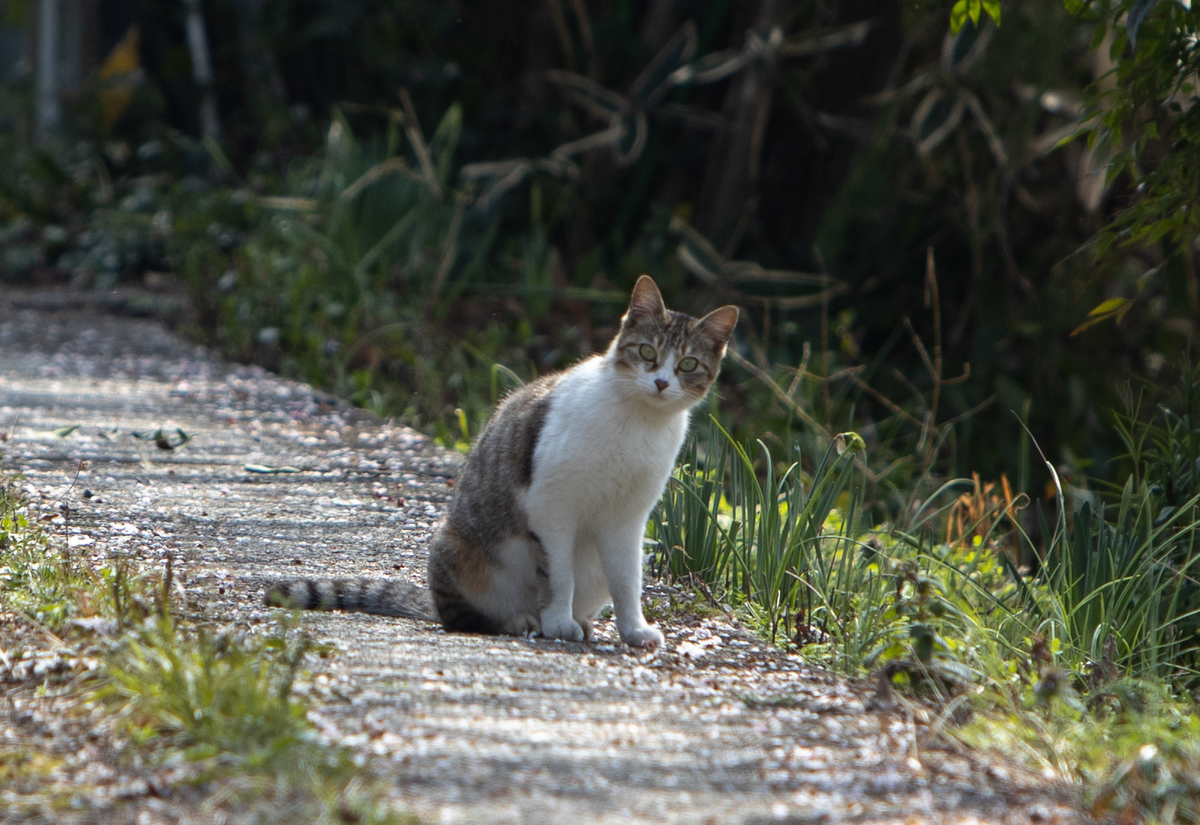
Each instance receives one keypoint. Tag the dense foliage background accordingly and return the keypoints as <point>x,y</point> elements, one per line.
<point>964,235</point>
<point>897,206</point>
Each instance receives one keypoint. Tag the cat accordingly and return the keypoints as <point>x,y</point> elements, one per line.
<point>546,522</point>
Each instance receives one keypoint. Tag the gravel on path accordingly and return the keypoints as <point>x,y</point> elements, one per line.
<point>715,728</point>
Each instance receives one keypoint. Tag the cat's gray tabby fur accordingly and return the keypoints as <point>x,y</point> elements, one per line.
<point>545,526</point>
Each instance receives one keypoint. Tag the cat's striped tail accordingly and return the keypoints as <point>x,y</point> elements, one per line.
<point>382,597</point>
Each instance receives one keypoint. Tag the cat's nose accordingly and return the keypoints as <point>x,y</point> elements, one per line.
<point>661,383</point>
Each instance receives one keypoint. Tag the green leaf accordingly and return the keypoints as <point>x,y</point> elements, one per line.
<point>1114,308</point>
<point>992,7</point>
<point>1119,41</point>
<point>974,9</point>
<point>958,16</point>
<point>1108,307</point>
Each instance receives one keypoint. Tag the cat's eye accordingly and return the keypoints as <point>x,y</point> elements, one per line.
<point>647,352</point>
<point>688,364</point>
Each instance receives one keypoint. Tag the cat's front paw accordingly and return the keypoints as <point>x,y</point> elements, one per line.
<point>563,627</point>
<point>645,636</point>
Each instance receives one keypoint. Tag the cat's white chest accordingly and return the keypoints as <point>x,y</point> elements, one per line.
<point>600,451</point>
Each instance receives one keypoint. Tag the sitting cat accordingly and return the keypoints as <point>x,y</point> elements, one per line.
<point>546,523</point>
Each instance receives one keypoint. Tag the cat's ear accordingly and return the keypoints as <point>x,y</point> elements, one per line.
<point>717,326</point>
<point>647,300</point>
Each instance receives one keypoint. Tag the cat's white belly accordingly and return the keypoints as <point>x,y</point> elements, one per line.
<point>599,479</point>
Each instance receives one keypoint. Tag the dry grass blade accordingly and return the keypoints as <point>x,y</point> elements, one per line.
<point>412,128</point>
<point>286,203</point>
<point>507,176</point>
<point>377,172</point>
<point>933,138</point>
<point>779,393</point>
<point>989,131</point>
<point>585,35</point>
<point>560,29</point>
<point>601,102</point>
<point>651,85</point>
<point>449,254</point>
<point>640,130</point>
<point>932,301</point>
<point>492,168</point>
<point>711,67</point>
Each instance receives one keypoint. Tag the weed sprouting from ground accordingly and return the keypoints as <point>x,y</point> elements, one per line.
<point>223,702</point>
<point>213,696</point>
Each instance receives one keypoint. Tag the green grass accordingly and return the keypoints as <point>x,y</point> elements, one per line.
<point>221,702</point>
<point>1132,746</point>
<point>1083,666</point>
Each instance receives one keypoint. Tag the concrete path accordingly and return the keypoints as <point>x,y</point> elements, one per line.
<point>715,728</point>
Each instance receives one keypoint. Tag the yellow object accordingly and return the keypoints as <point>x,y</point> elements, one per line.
<point>119,75</point>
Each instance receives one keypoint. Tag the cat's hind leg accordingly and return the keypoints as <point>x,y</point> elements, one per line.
<point>522,624</point>
<point>458,575</point>
<point>495,590</point>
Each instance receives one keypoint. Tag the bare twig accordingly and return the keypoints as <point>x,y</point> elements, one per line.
<point>982,405</point>
<point>800,370</point>
<point>560,28</point>
<point>766,378</point>
<point>699,584</point>
<point>921,350</point>
<point>931,297</point>
<point>887,402</point>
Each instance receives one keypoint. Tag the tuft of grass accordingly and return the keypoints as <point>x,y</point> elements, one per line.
<point>1124,592</point>
<point>227,705</point>
<point>213,697</point>
<point>760,535</point>
<point>221,702</point>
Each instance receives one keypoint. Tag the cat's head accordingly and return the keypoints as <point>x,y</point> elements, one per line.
<point>669,359</point>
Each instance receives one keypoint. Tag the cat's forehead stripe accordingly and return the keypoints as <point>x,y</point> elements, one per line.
<point>673,333</point>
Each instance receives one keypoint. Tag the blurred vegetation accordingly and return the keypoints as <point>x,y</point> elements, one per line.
<point>404,195</point>
<point>965,231</point>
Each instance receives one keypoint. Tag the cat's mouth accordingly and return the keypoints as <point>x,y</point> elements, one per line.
<point>665,396</point>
